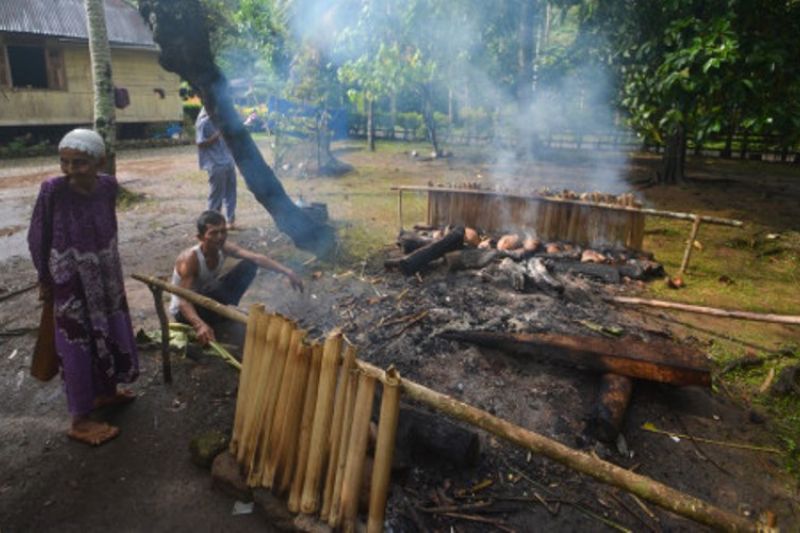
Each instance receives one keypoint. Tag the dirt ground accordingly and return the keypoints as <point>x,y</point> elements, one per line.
<point>144,481</point>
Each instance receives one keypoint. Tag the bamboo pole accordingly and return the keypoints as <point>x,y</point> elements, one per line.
<point>713,311</point>
<point>290,440</point>
<point>285,407</point>
<point>246,377</point>
<point>642,486</point>
<point>272,388</point>
<point>687,253</point>
<point>304,443</point>
<point>335,515</point>
<point>322,422</point>
<point>384,451</point>
<point>268,328</point>
<point>158,299</point>
<point>357,451</point>
<point>336,427</point>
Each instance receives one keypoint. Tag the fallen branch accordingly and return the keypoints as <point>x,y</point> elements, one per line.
<point>502,526</point>
<point>713,311</point>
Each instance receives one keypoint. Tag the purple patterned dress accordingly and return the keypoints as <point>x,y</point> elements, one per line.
<point>79,259</point>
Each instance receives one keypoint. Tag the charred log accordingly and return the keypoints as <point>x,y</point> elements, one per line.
<point>659,361</point>
<point>605,273</point>
<point>541,278</point>
<point>180,29</point>
<point>409,241</point>
<point>417,260</point>
<point>469,259</point>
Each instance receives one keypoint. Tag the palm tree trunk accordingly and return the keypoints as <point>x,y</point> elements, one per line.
<point>105,120</point>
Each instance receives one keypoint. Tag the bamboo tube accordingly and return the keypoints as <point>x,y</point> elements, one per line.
<point>687,253</point>
<point>274,381</point>
<point>290,434</point>
<point>318,450</point>
<point>246,376</point>
<point>356,452</point>
<point>642,486</point>
<point>304,441</point>
<point>335,515</point>
<point>285,406</point>
<point>267,331</point>
<point>384,451</point>
<point>336,427</point>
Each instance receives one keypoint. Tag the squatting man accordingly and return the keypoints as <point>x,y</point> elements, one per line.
<point>199,269</point>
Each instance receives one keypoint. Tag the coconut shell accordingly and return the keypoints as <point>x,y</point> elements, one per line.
<point>509,242</point>
<point>471,237</point>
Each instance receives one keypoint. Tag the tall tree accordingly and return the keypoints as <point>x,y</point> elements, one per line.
<point>180,28</point>
<point>105,118</point>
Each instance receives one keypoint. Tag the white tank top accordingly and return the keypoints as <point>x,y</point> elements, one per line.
<point>206,280</point>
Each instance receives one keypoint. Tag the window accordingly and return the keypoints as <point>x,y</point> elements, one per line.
<point>32,67</point>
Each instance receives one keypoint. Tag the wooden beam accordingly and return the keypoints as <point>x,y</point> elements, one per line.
<point>713,311</point>
<point>660,361</point>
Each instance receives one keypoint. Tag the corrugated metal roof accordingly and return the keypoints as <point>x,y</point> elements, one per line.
<point>67,18</point>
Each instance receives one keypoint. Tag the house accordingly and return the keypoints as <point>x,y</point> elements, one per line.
<point>45,70</point>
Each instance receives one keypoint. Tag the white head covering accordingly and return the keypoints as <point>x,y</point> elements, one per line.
<point>83,140</point>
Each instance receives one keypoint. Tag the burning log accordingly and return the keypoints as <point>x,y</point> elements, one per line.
<point>180,29</point>
<point>608,414</point>
<point>417,260</point>
<point>660,361</point>
<point>605,273</point>
<point>469,259</point>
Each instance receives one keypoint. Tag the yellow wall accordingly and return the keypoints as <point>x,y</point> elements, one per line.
<point>136,70</point>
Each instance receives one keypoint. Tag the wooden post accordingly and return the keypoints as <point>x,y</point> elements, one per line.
<point>384,451</point>
<point>689,245</point>
<point>356,452</point>
<point>166,366</point>
<point>400,209</point>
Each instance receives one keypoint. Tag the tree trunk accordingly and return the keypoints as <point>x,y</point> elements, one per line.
<point>179,28</point>
<point>392,115</point>
<point>371,125</point>
<point>105,120</point>
<point>525,53</point>
<point>674,159</point>
<point>429,118</point>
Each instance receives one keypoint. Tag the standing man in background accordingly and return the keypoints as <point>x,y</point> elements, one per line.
<point>215,158</point>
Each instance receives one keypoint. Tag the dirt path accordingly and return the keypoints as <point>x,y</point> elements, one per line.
<point>144,481</point>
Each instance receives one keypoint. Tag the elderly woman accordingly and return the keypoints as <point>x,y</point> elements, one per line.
<point>73,243</point>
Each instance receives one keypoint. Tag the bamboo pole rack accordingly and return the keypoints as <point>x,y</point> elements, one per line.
<point>582,222</point>
<point>646,488</point>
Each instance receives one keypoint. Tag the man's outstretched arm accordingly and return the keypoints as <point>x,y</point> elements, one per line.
<point>264,262</point>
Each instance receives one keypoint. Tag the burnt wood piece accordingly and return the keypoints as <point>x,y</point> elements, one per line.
<point>469,259</point>
<point>422,436</point>
<point>605,273</point>
<point>656,360</point>
<point>409,241</point>
<point>538,274</point>
<point>180,27</point>
<point>608,413</point>
<point>417,260</point>
<point>517,273</point>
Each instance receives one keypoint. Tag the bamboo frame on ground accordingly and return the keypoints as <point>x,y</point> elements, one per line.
<point>646,488</point>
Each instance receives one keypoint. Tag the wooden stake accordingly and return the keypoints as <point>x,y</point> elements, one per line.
<point>384,451</point>
<point>158,299</point>
<point>287,405</point>
<point>322,423</point>
<point>400,210</point>
<point>246,376</point>
<point>335,515</point>
<point>687,253</point>
<point>304,441</point>
<point>336,427</point>
<point>356,452</point>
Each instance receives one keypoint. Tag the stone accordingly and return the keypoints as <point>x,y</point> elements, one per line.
<point>275,511</point>
<point>204,448</point>
<point>228,478</point>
